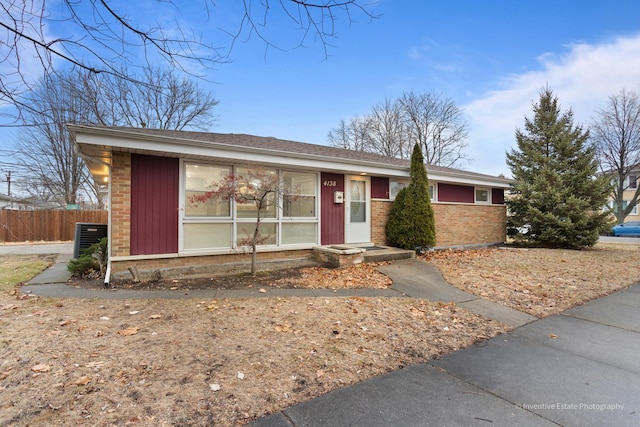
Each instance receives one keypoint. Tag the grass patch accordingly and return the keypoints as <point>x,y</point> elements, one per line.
<point>18,269</point>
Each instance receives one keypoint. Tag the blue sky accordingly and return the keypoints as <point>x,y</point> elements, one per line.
<point>491,57</point>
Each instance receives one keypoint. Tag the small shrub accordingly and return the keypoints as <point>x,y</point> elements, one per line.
<point>92,261</point>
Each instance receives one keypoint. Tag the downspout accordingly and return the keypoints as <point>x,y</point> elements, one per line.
<point>107,274</point>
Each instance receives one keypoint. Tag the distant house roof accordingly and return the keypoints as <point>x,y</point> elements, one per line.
<point>97,143</point>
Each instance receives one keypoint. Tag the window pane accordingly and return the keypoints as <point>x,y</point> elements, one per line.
<point>299,206</point>
<point>300,183</point>
<point>268,232</point>
<point>302,189</point>
<point>358,211</point>
<point>293,233</point>
<point>204,236</point>
<point>211,207</point>
<point>250,210</point>
<point>256,188</point>
<point>205,177</point>
<point>482,195</point>
<point>198,180</point>
<point>358,190</point>
<point>395,187</point>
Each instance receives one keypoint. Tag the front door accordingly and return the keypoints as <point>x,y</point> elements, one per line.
<point>357,209</point>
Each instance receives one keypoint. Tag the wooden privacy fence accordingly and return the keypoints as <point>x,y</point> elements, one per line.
<point>49,226</point>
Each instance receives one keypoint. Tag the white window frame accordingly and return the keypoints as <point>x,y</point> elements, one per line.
<point>475,195</point>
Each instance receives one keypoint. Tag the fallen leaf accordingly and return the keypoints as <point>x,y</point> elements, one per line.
<point>128,331</point>
<point>553,336</point>
<point>282,328</point>
<point>41,367</point>
<point>9,307</point>
<point>84,380</point>
<point>94,365</point>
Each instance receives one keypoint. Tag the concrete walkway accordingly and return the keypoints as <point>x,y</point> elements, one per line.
<point>411,278</point>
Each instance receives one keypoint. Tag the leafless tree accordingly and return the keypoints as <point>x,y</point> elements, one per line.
<point>46,148</point>
<point>99,37</point>
<point>162,100</point>
<point>437,125</point>
<point>393,127</point>
<point>353,135</point>
<point>387,132</point>
<point>616,134</point>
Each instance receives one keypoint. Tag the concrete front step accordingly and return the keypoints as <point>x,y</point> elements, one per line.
<point>387,254</point>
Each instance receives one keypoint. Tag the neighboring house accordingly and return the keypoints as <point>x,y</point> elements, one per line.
<point>344,196</point>
<point>631,186</point>
<point>9,202</point>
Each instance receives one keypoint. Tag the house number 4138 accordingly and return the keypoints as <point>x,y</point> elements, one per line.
<point>329,183</point>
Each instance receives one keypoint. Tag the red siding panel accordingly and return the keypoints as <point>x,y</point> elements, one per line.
<point>379,187</point>
<point>456,193</point>
<point>497,196</point>
<point>154,204</point>
<point>331,214</point>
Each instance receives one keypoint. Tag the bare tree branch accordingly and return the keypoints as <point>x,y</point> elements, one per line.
<point>105,40</point>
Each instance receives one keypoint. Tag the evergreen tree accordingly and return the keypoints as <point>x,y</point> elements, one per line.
<point>411,223</point>
<point>557,197</point>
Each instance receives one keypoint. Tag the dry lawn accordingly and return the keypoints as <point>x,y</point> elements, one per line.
<point>541,282</point>
<point>228,361</point>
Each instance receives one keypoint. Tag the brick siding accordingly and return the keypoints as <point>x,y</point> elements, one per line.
<point>456,224</point>
<point>121,204</point>
<point>205,263</point>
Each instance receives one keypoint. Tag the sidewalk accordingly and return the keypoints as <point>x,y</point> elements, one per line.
<point>580,368</point>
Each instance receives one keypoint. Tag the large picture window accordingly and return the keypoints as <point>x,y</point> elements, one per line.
<point>216,224</point>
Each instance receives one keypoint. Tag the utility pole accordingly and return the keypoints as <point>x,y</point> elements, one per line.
<point>9,184</point>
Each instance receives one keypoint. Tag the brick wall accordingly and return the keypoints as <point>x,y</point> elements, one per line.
<point>120,204</point>
<point>200,264</point>
<point>379,215</point>
<point>456,224</point>
<point>462,224</point>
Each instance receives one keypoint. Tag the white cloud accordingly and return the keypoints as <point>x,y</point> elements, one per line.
<point>582,80</point>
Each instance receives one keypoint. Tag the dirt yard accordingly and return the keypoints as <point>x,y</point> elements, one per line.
<point>228,361</point>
